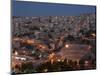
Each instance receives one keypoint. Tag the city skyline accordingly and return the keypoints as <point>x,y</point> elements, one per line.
<point>50,37</point>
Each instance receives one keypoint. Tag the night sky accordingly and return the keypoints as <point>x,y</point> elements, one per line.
<point>21,8</point>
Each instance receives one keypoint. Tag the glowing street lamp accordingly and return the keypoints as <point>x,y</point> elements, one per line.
<point>45,70</point>
<point>66,45</point>
<point>93,34</point>
<point>89,47</point>
<point>16,53</point>
<point>58,60</point>
<point>86,63</point>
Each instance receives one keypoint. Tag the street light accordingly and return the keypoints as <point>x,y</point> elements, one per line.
<point>45,70</point>
<point>16,53</point>
<point>89,47</point>
<point>93,34</point>
<point>58,60</point>
<point>66,45</point>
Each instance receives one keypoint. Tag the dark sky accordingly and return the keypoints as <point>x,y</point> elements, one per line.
<point>21,8</point>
